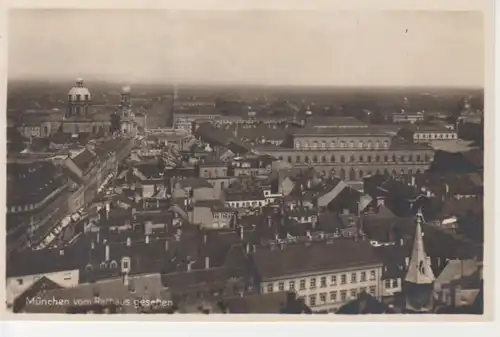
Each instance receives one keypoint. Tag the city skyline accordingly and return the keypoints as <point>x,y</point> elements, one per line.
<point>246,48</point>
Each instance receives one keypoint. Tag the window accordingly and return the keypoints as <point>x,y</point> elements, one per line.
<point>362,290</point>
<point>306,159</point>
<point>131,286</point>
<point>353,278</point>
<point>363,276</point>
<point>126,264</point>
<point>86,97</point>
<point>353,293</point>
<point>394,158</point>
<point>20,281</point>
<point>351,159</point>
<point>334,279</point>
<point>418,157</point>
<point>297,145</point>
<point>342,144</point>
<point>369,158</point>
<point>281,286</point>
<point>395,283</point>
<point>67,276</point>
<point>333,296</point>
<point>372,275</point>
<point>410,157</point>
<point>323,159</point>
<point>351,144</point>
<point>377,144</point>
<point>388,284</point>
<point>332,144</point>
<point>313,283</point>
<point>302,284</point>
<point>343,279</point>
<point>297,160</point>
<point>342,159</point>
<point>323,145</point>
<point>386,144</point>
<point>322,297</point>
<point>323,282</point>
<point>332,159</point>
<point>78,96</point>
<point>289,159</point>
<point>315,159</point>
<point>270,288</point>
<point>372,290</point>
<point>312,300</point>
<point>291,285</point>
<point>386,159</point>
<point>343,295</point>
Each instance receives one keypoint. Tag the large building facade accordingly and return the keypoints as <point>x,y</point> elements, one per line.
<point>351,153</point>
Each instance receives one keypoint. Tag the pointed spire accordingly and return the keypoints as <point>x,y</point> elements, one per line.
<point>419,268</point>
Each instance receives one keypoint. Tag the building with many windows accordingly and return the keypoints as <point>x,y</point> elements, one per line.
<point>351,153</point>
<point>325,274</point>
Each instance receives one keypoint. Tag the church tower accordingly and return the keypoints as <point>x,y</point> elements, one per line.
<point>126,115</point>
<point>419,280</point>
<point>79,100</point>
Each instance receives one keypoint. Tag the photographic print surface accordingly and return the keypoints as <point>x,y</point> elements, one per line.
<point>245,162</point>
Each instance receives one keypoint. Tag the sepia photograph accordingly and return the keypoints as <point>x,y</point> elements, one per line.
<point>245,162</point>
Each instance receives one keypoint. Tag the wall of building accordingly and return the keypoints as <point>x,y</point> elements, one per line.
<point>332,287</point>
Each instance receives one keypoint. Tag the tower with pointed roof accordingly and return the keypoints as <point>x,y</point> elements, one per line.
<point>419,279</point>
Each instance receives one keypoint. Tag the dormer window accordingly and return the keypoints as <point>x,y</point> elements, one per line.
<point>78,97</point>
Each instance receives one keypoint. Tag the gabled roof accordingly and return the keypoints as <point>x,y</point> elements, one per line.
<point>84,160</point>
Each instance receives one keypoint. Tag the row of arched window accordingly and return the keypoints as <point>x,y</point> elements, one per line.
<point>354,175</point>
<point>342,144</point>
<point>299,159</point>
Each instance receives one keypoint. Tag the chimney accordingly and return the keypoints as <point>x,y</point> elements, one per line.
<point>129,242</point>
<point>146,239</point>
<point>106,258</point>
<point>207,262</point>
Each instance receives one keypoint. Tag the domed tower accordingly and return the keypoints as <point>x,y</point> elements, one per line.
<point>126,114</point>
<point>79,100</point>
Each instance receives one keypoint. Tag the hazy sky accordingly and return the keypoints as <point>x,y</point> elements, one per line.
<point>271,47</point>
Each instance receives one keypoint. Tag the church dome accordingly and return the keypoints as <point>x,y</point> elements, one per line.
<point>79,92</point>
<point>126,89</point>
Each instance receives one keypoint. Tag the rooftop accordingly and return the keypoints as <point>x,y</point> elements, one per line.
<point>316,257</point>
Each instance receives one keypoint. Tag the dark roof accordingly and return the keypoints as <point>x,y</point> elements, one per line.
<point>364,304</point>
<point>31,183</point>
<point>41,285</point>
<point>84,160</point>
<point>301,258</point>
